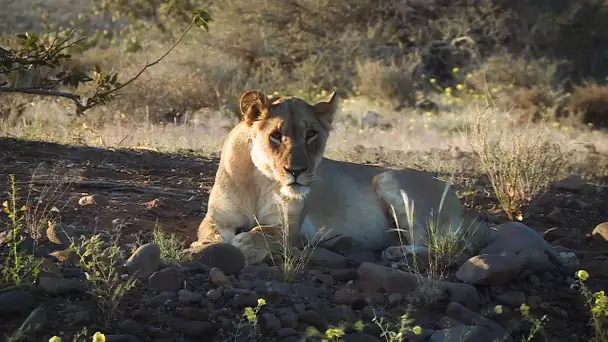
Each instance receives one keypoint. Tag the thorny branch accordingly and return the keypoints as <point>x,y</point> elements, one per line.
<point>107,86</point>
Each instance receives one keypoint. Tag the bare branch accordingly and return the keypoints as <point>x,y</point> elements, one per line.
<point>75,98</point>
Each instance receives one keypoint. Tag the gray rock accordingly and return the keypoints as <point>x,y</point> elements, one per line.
<point>167,279</point>
<point>59,286</point>
<point>188,297</point>
<point>144,261</point>
<point>161,299</point>
<point>191,328</point>
<point>373,277</point>
<point>513,237</point>
<point>468,317</point>
<point>325,257</point>
<point>573,183</point>
<point>489,269</point>
<point>130,326</point>
<point>121,338</point>
<point>218,277</point>
<point>270,323</point>
<point>313,318</point>
<point>16,303</point>
<point>228,258</point>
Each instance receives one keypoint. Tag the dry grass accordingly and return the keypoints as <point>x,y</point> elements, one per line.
<point>588,105</point>
<point>521,164</point>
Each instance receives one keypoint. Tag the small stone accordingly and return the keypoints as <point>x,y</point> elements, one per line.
<point>573,183</point>
<point>600,232</point>
<point>270,323</point>
<point>313,318</point>
<point>534,280</point>
<point>16,303</point>
<point>187,297</point>
<point>512,298</point>
<point>534,302</point>
<point>556,216</point>
<point>325,257</point>
<point>92,200</point>
<point>228,258</point>
<point>161,299</point>
<point>213,295</point>
<point>191,328</point>
<point>167,279</point>
<point>241,300</point>
<point>144,261</point>
<point>394,298</point>
<point>218,277</point>
<point>121,338</point>
<point>193,314</point>
<point>554,233</point>
<point>130,326</point>
<point>286,332</point>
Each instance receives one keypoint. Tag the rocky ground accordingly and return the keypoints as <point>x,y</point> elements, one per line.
<point>89,191</point>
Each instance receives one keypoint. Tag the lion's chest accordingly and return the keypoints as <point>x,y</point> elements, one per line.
<point>265,209</point>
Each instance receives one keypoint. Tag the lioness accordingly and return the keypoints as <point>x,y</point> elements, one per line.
<point>273,185</point>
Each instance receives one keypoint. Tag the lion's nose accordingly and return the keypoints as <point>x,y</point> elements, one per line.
<point>295,172</point>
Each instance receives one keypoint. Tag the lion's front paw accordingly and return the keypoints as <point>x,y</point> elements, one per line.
<point>254,246</point>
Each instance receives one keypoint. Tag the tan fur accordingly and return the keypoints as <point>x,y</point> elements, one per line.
<point>252,195</point>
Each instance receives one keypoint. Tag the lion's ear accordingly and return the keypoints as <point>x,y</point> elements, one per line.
<point>326,109</point>
<point>252,103</point>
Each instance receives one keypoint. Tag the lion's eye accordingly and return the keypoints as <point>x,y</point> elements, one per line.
<point>276,137</point>
<point>310,135</point>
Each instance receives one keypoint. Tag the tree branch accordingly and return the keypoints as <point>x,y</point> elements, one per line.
<point>98,97</point>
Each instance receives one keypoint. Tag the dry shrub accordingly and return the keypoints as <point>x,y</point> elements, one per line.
<point>533,102</point>
<point>505,69</point>
<point>587,105</point>
<point>520,164</point>
<point>378,80</point>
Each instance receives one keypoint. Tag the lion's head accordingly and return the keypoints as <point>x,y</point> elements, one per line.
<point>288,138</point>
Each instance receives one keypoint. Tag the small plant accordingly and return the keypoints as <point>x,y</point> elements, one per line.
<point>537,324</point>
<point>598,306</point>
<point>520,166</point>
<point>99,263</point>
<point>251,315</point>
<point>97,337</point>
<point>20,266</point>
<point>171,246</point>
<point>397,332</point>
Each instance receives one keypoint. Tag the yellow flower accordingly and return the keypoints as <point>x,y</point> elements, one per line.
<point>498,309</point>
<point>99,337</point>
<point>469,75</point>
<point>459,87</point>
<point>525,309</point>
<point>433,80</point>
<point>582,275</point>
<point>276,93</point>
<point>250,314</point>
<point>334,333</point>
<point>417,330</point>
<point>448,90</point>
<point>455,70</point>
<point>55,339</point>
<point>359,325</point>
<point>261,302</point>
